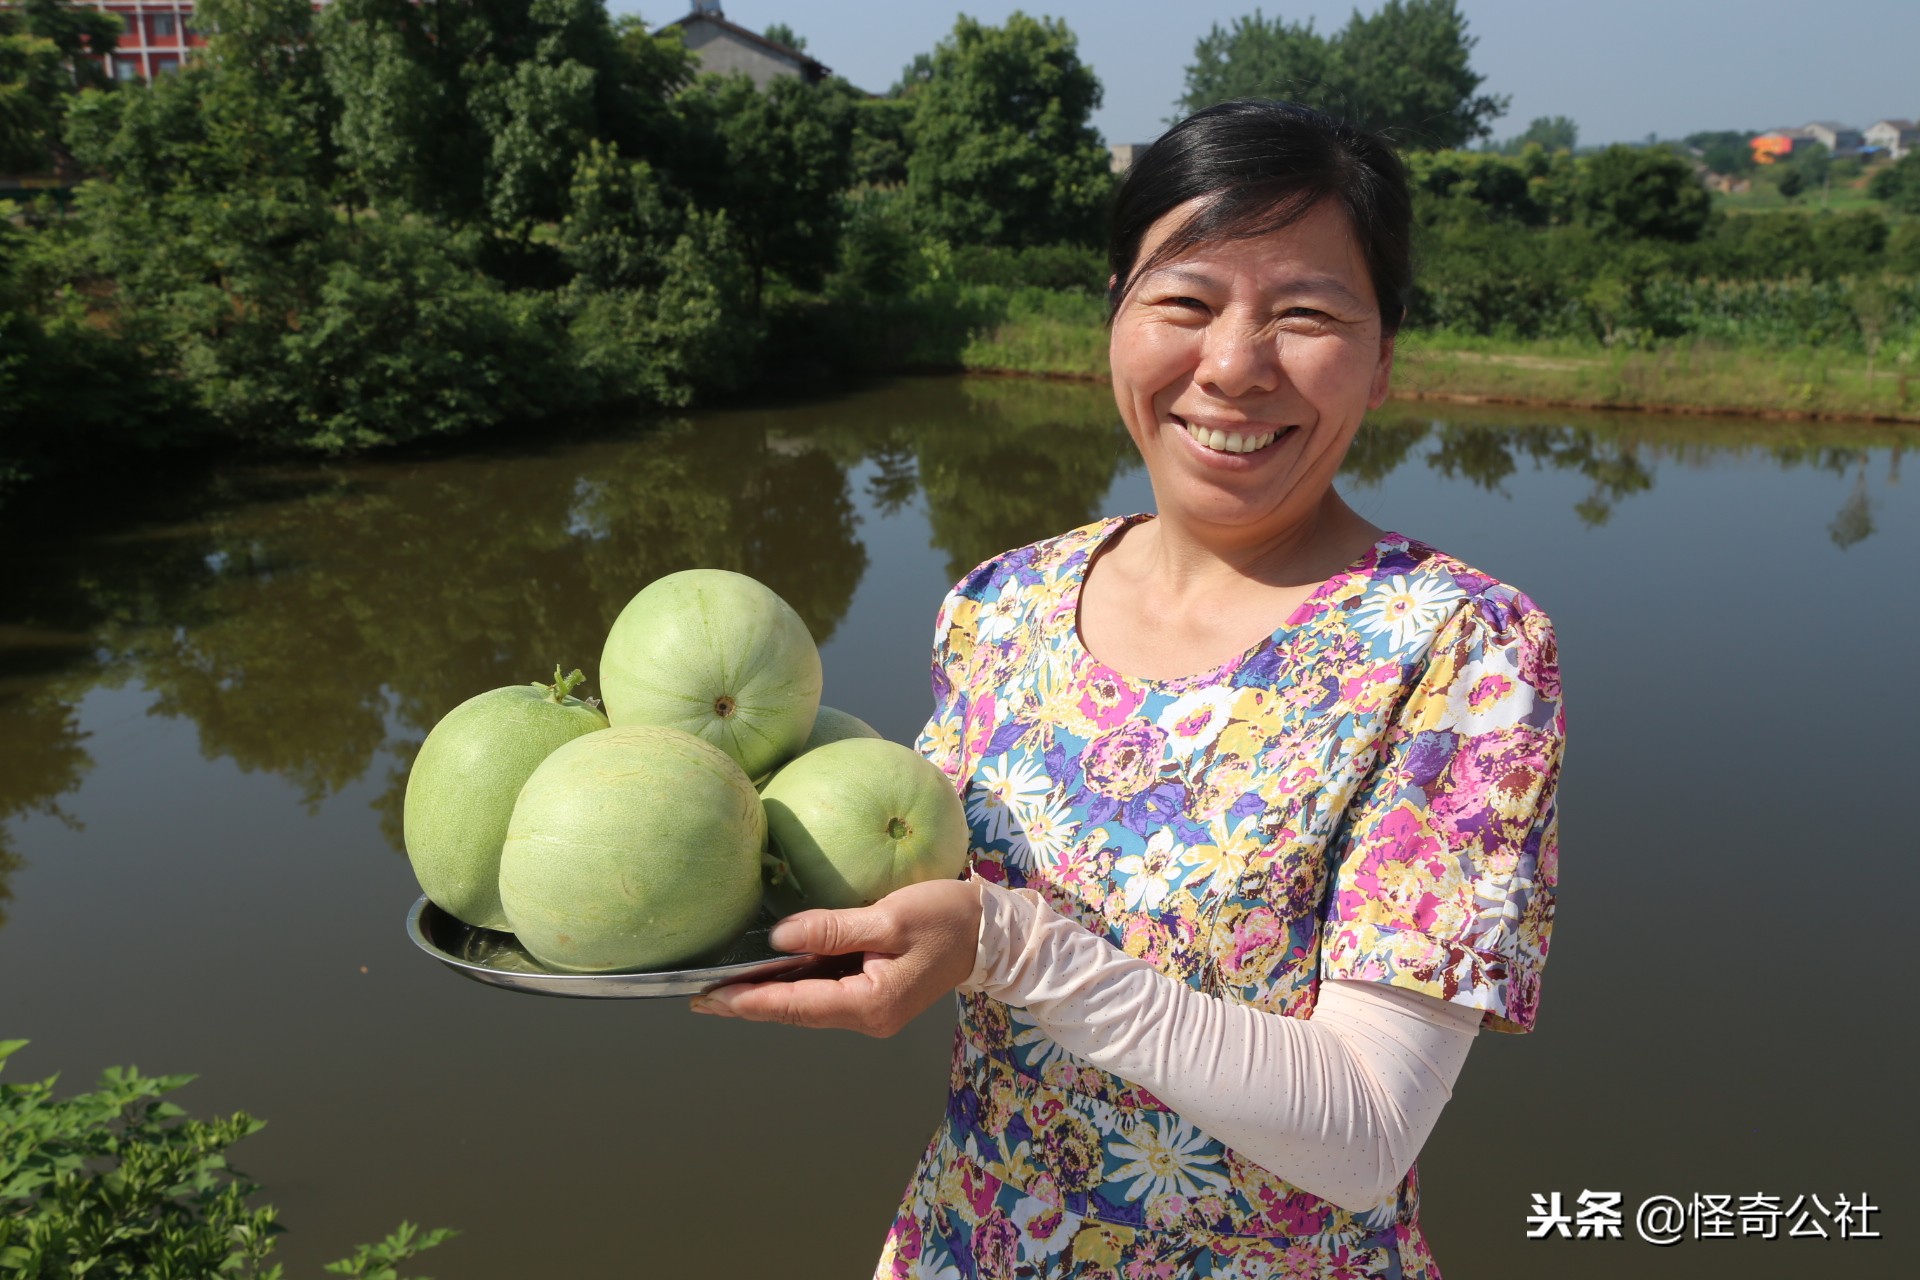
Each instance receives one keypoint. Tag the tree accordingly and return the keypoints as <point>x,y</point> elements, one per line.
<point>1549,133</point>
<point>1403,71</point>
<point>781,33</point>
<point>1641,193</point>
<point>778,161</point>
<point>47,50</point>
<point>1001,149</point>
<point>1899,184</point>
<point>1727,151</point>
<point>1259,58</point>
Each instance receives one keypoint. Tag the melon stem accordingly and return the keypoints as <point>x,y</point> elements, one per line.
<point>563,685</point>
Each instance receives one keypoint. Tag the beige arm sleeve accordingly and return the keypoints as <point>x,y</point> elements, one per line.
<point>1338,1104</point>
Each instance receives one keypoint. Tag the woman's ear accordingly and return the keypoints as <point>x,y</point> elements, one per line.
<point>1382,373</point>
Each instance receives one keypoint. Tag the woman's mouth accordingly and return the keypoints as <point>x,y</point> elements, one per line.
<point>1228,441</point>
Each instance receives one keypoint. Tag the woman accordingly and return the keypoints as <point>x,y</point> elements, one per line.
<point>1261,796</point>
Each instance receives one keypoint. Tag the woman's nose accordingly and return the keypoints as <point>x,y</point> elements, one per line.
<point>1239,358</point>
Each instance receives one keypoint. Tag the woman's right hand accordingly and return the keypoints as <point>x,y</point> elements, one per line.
<point>916,945</point>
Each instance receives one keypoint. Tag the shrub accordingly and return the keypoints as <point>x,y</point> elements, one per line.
<point>121,1183</point>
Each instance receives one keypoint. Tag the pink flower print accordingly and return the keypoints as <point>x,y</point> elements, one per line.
<point>1257,931</point>
<point>996,1246</point>
<point>1402,837</point>
<point>907,1244</point>
<point>1488,691</point>
<point>1294,1214</point>
<point>1124,762</point>
<point>980,724</point>
<point>1107,702</point>
<point>979,1188</point>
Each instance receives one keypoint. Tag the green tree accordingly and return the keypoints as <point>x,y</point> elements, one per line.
<point>1403,70</point>
<point>1257,57</point>
<point>1641,193</point>
<point>1002,152</point>
<point>781,33</point>
<point>1899,184</point>
<point>1549,133</point>
<point>778,161</point>
<point>44,60</point>
<point>474,111</point>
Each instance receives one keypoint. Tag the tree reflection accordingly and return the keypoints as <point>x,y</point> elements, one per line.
<point>41,759</point>
<point>341,625</point>
<point>1029,461</point>
<point>317,622</point>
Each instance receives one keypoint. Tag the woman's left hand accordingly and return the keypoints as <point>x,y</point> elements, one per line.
<point>916,944</point>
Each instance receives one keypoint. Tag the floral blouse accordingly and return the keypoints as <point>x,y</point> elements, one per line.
<point>1368,793</point>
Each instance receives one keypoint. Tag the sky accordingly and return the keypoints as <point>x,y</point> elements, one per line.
<point>1621,70</point>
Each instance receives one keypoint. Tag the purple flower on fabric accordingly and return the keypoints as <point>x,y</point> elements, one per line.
<point>1126,761</point>
<point>1428,754</point>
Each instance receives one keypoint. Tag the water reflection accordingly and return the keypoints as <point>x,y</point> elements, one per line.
<point>315,622</point>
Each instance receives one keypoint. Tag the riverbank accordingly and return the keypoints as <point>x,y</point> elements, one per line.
<point>1062,336</point>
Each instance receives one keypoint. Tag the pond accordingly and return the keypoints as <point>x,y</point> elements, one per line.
<point>210,693</point>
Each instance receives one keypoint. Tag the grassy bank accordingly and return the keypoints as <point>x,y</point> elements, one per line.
<point>1060,335</point>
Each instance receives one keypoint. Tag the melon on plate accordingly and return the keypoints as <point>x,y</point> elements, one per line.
<point>464,781</point>
<point>718,655</point>
<point>856,819</point>
<point>635,848</point>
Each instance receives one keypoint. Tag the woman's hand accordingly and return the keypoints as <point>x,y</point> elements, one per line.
<point>916,944</point>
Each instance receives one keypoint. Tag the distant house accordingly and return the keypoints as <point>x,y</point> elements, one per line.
<point>1125,153</point>
<point>726,47</point>
<point>1897,137</point>
<point>1837,138</point>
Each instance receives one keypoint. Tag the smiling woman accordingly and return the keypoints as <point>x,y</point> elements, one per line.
<point>1262,797</point>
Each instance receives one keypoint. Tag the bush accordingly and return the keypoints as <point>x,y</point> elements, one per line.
<point>121,1183</point>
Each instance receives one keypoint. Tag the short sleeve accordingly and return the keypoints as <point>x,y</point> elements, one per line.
<point>1447,861</point>
<point>954,632</point>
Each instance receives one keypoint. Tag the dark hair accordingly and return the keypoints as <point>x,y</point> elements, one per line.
<point>1269,163</point>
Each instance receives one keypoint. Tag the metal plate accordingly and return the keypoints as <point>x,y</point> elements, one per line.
<point>498,960</point>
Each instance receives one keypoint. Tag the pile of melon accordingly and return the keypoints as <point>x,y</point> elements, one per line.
<point>653,832</point>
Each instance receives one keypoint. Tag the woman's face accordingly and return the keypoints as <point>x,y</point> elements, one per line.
<point>1242,369</point>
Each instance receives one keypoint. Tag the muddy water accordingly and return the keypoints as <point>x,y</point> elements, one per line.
<point>209,694</point>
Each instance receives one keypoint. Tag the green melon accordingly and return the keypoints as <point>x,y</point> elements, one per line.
<point>835,725</point>
<point>720,656</point>
<point>464,780</point>
<point>638,847</point>
<point>859,818</point>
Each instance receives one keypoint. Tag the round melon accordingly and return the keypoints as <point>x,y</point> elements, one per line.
<point>464,780</point>
<point>717,655</point>
<point>835,725</point>
<point>637,847</point>
<point>859,818</point>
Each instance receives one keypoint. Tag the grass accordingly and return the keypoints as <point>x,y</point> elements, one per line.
<point>1061,335</point>
<point>1679,376</point>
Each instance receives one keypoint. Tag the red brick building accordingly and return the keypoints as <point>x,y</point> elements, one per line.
<point>157,36</point>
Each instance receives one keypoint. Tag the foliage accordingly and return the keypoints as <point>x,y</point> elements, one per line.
<point>1724,150</point>
<point>1402,70</point>
<point>1642,193</point>
<point>781,33</point>
<point>43,63</point>
<point>121,1182</point>
<point>777,161</point>
<point>1002,152</point>
<point>880,146</point>
<point>1899,184</point>
<point>1549,133</point>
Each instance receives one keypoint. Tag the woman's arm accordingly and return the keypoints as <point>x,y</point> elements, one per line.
<point>1338,1104</point>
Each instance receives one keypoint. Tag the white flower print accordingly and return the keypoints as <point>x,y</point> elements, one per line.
<point>1150,874</point>
<point>1049,830</point>
<point>1042,1049</point>
<point>1166,1156</point>
<point>1405,609</point>
<point>1195,719</point>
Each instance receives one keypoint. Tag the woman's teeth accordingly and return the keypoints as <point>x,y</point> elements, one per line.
<point>1222,442</point>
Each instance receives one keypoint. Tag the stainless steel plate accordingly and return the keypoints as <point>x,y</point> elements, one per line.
<point>498,959</point>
